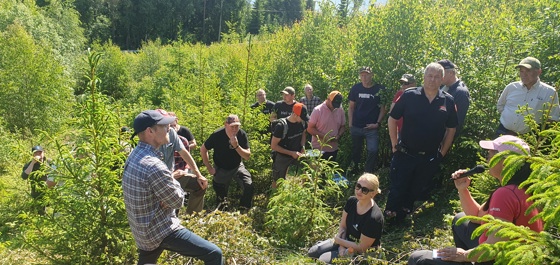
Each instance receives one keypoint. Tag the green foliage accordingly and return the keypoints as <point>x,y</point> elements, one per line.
<point>298,209</point>
<point>34,92</point>
<point>87,223</point>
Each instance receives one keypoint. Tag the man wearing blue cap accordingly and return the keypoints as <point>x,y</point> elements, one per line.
<point>151,196</point>
<point>456,88</point>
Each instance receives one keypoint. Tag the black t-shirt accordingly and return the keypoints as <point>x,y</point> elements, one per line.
<point>292,141</point>
<point>282,109</point>
<point>185,132</point>
<point>369,224</point>
<point>225,156</point>
<point>424,122</point>
<point>367,104</point>
<point>266,109</point>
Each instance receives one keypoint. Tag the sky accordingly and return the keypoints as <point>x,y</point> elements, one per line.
<point>366,2</point>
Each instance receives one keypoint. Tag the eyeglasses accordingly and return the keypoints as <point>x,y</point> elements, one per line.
<point>364,190</point>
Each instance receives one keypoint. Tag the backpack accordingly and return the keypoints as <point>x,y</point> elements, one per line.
<point>284,123</point>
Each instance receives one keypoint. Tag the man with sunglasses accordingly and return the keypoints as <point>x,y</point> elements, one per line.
<point>406,81</point>
<point>456,88</point>
<point>151,196</point>
<point>231,146</point>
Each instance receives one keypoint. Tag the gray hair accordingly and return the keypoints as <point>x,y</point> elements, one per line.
<point>435,66</point>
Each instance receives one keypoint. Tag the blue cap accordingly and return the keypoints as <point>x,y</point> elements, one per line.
<point>149,118</point>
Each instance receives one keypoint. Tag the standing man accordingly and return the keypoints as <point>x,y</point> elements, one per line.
<point>406,81</point>
<point>327,124</point>
<point>456,88</point>
<point>531,92</point>
<point>191,180</point>
<point>310,101</point>
<point>365,113</point>
<point>267,105</point>
<point>230,145</point>
<point>429,122</point>
<point>151,196</point>
<point>283,109</point>
<point>288,140</point>
<point>34,170</point>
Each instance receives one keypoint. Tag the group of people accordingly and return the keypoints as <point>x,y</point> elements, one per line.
<point>422,123</point>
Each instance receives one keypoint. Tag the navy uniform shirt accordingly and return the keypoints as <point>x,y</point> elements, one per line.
<point>424,122</point>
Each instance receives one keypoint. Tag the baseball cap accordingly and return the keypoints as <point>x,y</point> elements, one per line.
<point>503,143</point>
<point>408,78</point>
<point>289,90</point>
<point>149,118</point>
<point>447,64</point>
<point>530,63</point>
<point>336,98</point>
<point>36,149</point>
<point>366,69</point>
<point>300,110</point>
<point>232,119</point>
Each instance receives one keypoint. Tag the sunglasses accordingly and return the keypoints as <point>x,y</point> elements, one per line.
<point>364,190</point>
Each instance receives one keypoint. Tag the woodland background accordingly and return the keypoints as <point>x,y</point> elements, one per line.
<point>72,73</point>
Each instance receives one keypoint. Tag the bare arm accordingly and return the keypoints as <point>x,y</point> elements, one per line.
<point>192,144</point>
<point>447,140</point>
<point>206,160</point>
<point>312,129</point>
<point>351,107</point>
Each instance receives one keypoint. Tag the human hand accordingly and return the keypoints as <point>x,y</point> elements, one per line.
<point>233,141</point>
<point>202,182</point>
<point>460,183</point>
<point>371,126</point>
<point>296,155</point>
<point>453,254</point>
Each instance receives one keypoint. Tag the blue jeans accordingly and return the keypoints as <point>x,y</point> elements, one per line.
<point>372,147</point>
<point>186,243</point>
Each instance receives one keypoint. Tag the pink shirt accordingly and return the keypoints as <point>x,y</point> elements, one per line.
<point>510,203</point>
<point>326,120</point>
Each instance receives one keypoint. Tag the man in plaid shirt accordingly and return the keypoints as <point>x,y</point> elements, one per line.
<point>151,196</point>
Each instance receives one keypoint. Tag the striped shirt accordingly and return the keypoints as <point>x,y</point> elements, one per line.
<point>150,197</point>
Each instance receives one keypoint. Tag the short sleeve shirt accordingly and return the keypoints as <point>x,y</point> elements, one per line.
<point>292,141</point>
<point>185,132</point>
<point>266,109</point>
<point>174,145</point>
<point>424,122</point>
<point>367,104</point>
<point>369,224</point>
<point>225,156</point>
<point>510,203</point>
<point>327,121</point>
<point>282,109</point>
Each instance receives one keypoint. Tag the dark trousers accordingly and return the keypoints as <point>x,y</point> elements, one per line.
<point>462,238</point>
<point>411,179</point>
<point>222,180</point>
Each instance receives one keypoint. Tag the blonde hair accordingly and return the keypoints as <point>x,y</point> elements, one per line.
<point>373,180</point>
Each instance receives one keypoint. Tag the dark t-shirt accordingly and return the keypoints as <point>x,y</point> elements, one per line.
<point>424,122</point>
<point>282,109</point>
<point>225,157</point>
<point>268,106</point>
<point>367,102</point>
<point>369,224</point>
<point>292,141</point>
<point>185,132</point>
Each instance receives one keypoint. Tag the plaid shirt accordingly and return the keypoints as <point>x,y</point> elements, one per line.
<point>150,197</point>
<point>179,162</point>
<point>310,104</point>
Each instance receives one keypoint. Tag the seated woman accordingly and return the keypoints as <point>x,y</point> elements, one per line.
<point>360,226</point>
<point>508,203</point>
